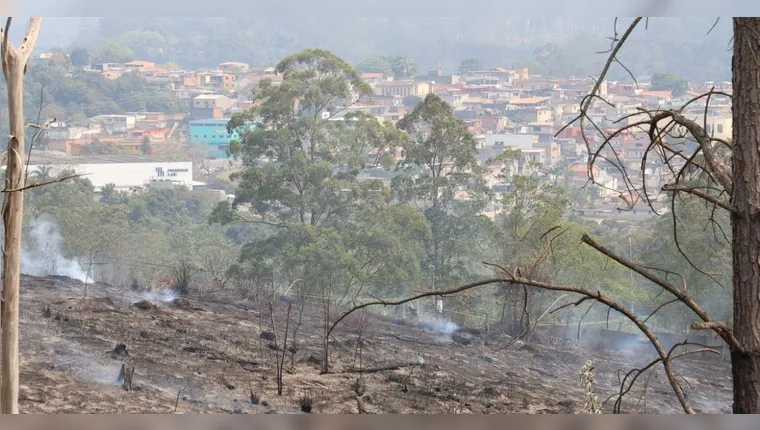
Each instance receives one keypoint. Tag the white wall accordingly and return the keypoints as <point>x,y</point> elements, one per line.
<point>127,175</point>
<point>521,141</point>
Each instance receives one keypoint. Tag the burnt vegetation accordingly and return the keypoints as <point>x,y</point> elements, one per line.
<point>356,270</point>
<point>214,361</point>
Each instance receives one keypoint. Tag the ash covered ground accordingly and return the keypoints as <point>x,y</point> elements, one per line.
<point>195,356</point>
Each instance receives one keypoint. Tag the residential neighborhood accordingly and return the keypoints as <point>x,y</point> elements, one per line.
<point>504,109</point>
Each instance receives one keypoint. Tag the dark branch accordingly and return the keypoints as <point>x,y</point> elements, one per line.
<point>40,184</point>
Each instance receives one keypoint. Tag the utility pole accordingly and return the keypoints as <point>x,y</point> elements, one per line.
<point>14,61</point>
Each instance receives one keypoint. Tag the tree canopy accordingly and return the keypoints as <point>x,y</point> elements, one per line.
<point>670,81</point>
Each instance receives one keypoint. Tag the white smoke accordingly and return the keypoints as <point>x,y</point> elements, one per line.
<point>165,296</point>
<point>440,325</point>
<point>44,257</point>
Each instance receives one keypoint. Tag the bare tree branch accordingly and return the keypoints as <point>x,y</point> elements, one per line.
<point>700,194</point>
<point>40,184</point>
<point>723,332</point>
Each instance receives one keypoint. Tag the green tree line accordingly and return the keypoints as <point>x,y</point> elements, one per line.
<point>349,237</point>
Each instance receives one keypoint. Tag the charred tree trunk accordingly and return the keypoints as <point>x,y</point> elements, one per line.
<point>745,222</point>
<point>14,61</point>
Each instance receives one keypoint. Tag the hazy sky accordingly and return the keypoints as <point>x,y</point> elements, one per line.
<point>388,7</point>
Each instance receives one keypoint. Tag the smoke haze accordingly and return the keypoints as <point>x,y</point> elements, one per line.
<point>44,257</point>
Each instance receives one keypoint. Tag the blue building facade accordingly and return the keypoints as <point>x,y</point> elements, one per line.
<point>212,134</point>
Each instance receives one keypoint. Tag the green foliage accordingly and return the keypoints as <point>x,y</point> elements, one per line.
<point>145,146</point>
<point>670,81</point>
<point>333,230</point>
<point>533,207</point>
<point>440,174</point>
<point>311,176</point>
<point>149,44</point>
<point>402,67</point>
<point>470,65</point>
<point>96,147</point>
<point>113,52</point>
<point>375,65</point>
<point>124,238</point>
<point>72,96</point>
<point>574,263</point>
<point>704,257</point>
<point>79,57</point>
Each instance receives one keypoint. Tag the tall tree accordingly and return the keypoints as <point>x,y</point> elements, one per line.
<point>440,175</point>
<point>403,67</point>
<point>307,161</point>
<point>551,59</point>
<point>745,222</point>
<point>338,235</point>
<point>302,175</point>
<point>79,57</point>
<point>145,146</point>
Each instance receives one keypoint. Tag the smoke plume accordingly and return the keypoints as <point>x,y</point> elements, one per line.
<point>44,256</point>
<point>439,325</point>
<point>165,296</point>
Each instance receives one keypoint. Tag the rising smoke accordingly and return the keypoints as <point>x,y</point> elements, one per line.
<point>165,296</point>
<point>44,256</point>
<point>440,325</point>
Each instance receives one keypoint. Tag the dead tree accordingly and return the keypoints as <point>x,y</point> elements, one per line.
<point>14,63</point>
<point>327,328</point>
<point>301,297</point>
<point>279,350</point>
<point>125,377</point>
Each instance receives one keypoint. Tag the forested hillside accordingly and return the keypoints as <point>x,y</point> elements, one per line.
<point>669,44</point>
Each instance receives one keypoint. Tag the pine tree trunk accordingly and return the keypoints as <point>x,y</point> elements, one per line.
<point>746,222</point>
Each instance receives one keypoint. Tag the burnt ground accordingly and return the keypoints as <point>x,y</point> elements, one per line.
<point>209,357</point>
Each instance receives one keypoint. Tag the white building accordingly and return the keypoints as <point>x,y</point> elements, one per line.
<point>124,171</point>
<point>117,123</point>
<point>508,140</point>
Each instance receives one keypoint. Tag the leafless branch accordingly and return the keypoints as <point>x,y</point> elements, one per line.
<point>700,194</point>
<point>723,332</point>
<point>40,184</point>
<point>635,373</point>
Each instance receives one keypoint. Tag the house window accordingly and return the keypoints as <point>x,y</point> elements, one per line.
<point>708,128</point>
<point>720,128</point>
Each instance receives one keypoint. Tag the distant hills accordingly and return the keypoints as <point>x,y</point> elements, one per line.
<point>678,45</point>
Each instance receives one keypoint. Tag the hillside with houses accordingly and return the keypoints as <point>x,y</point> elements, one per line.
<point>504,109</point>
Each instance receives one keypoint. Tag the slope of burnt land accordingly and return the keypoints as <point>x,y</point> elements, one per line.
<point>212,357</point>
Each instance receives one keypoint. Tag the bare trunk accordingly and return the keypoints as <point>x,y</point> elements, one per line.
<point>745,222</point>
<point>14,62</point>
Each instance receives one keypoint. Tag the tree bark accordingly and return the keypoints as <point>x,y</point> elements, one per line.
<point>14,61</point>
<point>745,222</point>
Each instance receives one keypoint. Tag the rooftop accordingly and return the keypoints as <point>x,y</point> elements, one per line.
<point>210,97</point>
<point>528,100</point>
<point>405,82</point>
<point>37,159</point>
